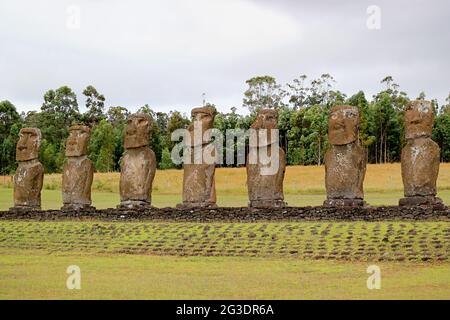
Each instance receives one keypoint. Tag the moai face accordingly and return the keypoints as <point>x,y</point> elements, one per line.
<point>137,131</point>
<point>77,142</point>
<point>419,119</point>
<point>266,119</point>
<point>343,125</point>
<point>202,118</point>
<point>27,147</point>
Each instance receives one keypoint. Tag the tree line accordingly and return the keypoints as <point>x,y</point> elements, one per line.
<point>303,106</point>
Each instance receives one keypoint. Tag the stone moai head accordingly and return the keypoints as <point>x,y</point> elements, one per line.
<point>419,119</point>
<point>137,131</point>
<point>343,125</point>
<point>265,119</point>
<point>78,141</point>
<point>27,147</point>
<point>202,120</point>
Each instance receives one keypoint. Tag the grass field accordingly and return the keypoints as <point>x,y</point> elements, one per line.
<point>279,260</point>
<point>366,241</point>
<point>303,186</point>
<point>264,260</point>
<point>33,274</point>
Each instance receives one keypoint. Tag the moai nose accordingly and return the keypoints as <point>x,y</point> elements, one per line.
<point>416,118</point>
<point>23,142</point>
<point>131,129</point>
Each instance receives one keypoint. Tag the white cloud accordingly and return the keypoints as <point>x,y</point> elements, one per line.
<point>167,53</point>
<point>145,46</point>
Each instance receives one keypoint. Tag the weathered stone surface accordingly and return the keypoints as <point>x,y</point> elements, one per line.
<point>419,119</point>
<point>201,125</point>
<point>29,175</point>
<point>138,164</point>
<point>343,125</point>
<point>345,161</point>
<point>265,178</point>
<point>344,203</point>
<point>427,201</point>
<point>420,156</point>
<point>420,167</point>
<point>241,214</point>
<point>198,171</point>
<point>78,171</point>
<point>199,186</point>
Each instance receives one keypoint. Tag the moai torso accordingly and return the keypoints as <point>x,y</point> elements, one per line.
<point>420,167</point>
<point>29,175</point>
<point>138,164</point>
<point>345,168</point>
<point>420,157</point>
<point>78,171</point>
<point>198,175</point>
<point>137,171</point>
<point>268,188</point>
<point>345,161</point>
<point>28,182</point>
<point>198,180</point>
<point>266,163</point>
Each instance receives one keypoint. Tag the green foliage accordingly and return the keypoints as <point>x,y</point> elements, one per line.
<point>95,105</point>
<point>102,146</point>
<point>176,121</point>
<point>441,134</point>
<point>58,112</point>
<point>8,117</point>
<point>303,107</point>
<point>359,100</point>
<point>10,124</point>
<point>156,138</point>
<point>263,92</point>
<point>166,160</point>
<point>48,156</point>
<point>232,120</point>
<point>117,116</point>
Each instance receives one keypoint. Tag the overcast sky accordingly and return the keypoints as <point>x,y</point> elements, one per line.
<point>167,53</point>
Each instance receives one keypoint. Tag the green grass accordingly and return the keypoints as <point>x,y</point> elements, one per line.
<point>356,241</point>
<point>276,260</point>
<point>34,274</point>
<point>52,199</point>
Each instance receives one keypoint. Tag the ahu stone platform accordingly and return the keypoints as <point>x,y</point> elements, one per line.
<point>237,214</point>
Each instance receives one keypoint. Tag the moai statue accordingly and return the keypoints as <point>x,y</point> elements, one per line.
<point>420,156</point>
<point>78,171</point>
<point>138,164</point>
<point>198,172</point>
<point>266,163</point>
<point>30,172</point>
<point>345,161</point>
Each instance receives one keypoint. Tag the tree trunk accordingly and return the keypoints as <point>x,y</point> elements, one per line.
<point>381,148</point>
<point>376,153</point>
<point>318,159</point>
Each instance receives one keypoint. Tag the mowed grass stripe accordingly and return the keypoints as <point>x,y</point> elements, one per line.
<point>355,241</point>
